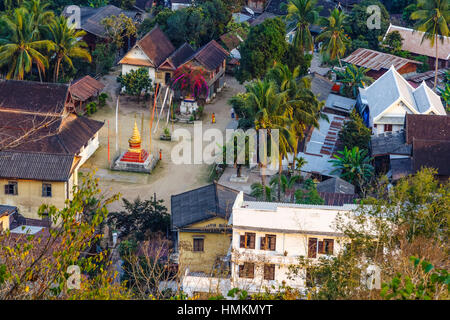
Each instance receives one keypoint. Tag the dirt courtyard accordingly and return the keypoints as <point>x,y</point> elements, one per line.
<point>167,178</point>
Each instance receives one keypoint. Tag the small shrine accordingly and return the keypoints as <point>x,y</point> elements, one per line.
<point>135,158</point>
<point>188,105</point>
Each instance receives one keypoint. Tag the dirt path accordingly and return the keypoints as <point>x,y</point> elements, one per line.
<point>167,178</point>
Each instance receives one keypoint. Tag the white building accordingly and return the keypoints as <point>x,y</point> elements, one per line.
<point>384,104</point>
<point>269,237</point>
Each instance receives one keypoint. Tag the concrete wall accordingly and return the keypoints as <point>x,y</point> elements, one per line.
<point>215,245</point>
<point>29,197</point>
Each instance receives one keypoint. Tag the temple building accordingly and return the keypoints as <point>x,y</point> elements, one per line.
<point>135,158</point>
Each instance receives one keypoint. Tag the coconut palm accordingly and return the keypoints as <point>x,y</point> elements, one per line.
<point>304,104</point>
<point>303,13</point>
<point>353,165</point>
<point>67,44</point>
<point>22,47</point>
<point>41,15</point>
<point>333,37</point>
<point>261,192</point>
<point>354,78</point>
<point>433,18</point>
<point>285,184</point>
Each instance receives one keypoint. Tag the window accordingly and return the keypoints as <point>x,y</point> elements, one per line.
<point>326,246</point>
<point>248,240</point>
<point>11,188</point>
<point>269,272</point>
<point>247,270</point>
<point>198,244</point>
<point>387,127</point>
<point>46,190</point>
<point>312,247</point>
<point>269,242</point>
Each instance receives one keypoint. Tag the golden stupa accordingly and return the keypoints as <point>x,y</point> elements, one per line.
<point>135,141</point>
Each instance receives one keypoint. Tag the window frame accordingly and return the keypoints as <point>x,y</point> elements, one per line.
<point>47,185</point>
<point>247,270</point>
<point>15,190</point>
<point>269,271</point>
<point>195,245</point>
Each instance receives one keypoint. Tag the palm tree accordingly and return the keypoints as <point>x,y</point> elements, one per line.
<point>353,165</point>
<point>304,104</point>
<point>67,44</point>
<point>445,94</point>
<point>285,184</point>
<point>262,192</point>
<point>433,17</point>
<point>354,78</point>
<point>303,13</point>
<point>41,15</point>
<point>21,48</point>
<point>333,36</point>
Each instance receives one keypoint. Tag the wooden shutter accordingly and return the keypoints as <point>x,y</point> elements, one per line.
<point>250,270</point>
<point>6,189</point>
<point>250,241</point>
<point>242,241</point>
<point>241,271</point>
<point>312,247</point>
<point>272,239</point>
<point>263,244</point>
<point>269,272</point>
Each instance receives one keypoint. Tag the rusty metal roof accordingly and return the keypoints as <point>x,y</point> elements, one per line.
<point>86,88</point>
<point>376,60</point>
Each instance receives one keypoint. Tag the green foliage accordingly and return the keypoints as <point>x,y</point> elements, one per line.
<point>135,82</point>
<point>353,78</point>
<point>359,42</point>
<point>140,218</point>
<point>333,38</point>
<point>102,99</point>
<point>356,25</point>
<point>118,28</point>
<point>196,25</point>
<point>353,166</point>
<point>424,67</point>
<point>308,195</point>
<point>397,6</point>
<point>303,14</point>
<point>264,45</point>
<point>445,95</point>
<point>295,58</point>
<point>104,57</point>
<point>393,42</point>
<point>402,287</point>
<point>354,133</point>
<point>91,108</point>
<point>44,259</point>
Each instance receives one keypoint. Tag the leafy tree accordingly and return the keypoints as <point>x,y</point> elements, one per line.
<point>308,194</point>
<point>409,219</point>
<point>353,78</point>
<point>67,44</point>
<point>359,42</point>
<point>333,37</point>
<point>445,94</point>
<point>190,81</point>
<point>286,184</point>
<point>104,57</point>
<point>424,67</point>
<point>36,266</point>
<point>393,42</point>
<point>140,218</point>
<point>353,166</point>
<point>295,58</point>
<point>118,28</point>
<point>432,284</point>
<point>261,192</point>
<point>433,17</point>
<point>354,133</point>
<point>303,13</point>
<point>264,45</point>
<point>357,23</point>
<point>397,6</point>
<point>135,82</point>
<point>20,47</point>
<point>216,18</point>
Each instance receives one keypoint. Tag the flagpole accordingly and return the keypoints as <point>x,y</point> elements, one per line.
<point>117,124</point>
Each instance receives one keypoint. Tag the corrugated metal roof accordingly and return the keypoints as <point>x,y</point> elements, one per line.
<point>86,88</point>
<point>35,166</point>
<point>376,60</point>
